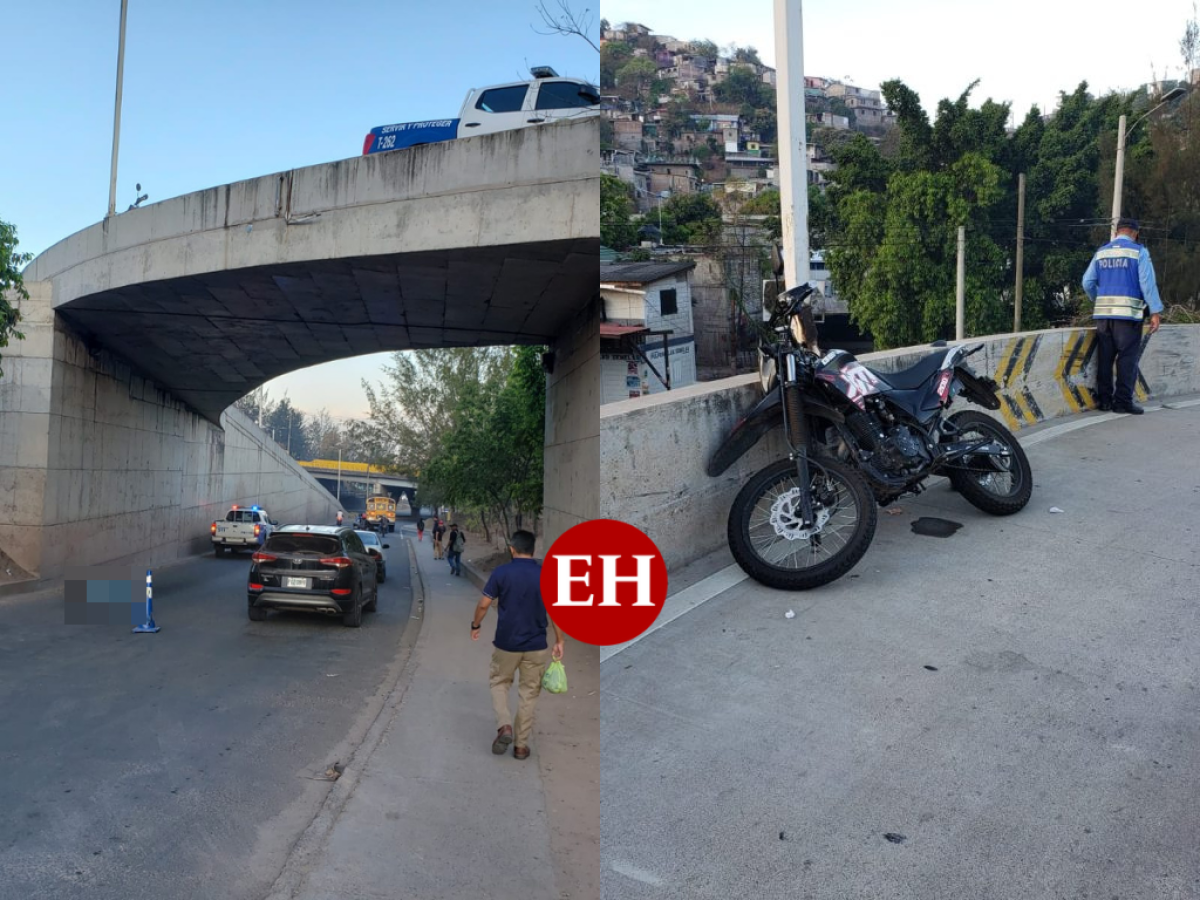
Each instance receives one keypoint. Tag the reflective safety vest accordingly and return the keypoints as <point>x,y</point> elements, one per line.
<point>1119,288</point>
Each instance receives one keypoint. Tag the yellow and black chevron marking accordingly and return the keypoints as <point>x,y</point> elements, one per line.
<point>1142,389</point>
<point>1017,359</point>
<point>1077,354</point>
<point>1018,407</point>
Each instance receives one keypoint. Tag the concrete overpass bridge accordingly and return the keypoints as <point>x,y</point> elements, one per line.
<point>143,329</point>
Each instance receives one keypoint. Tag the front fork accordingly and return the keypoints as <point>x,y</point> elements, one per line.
<point>795,426</point>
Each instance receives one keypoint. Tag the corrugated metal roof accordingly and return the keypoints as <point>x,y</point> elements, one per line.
<point>641,272</point>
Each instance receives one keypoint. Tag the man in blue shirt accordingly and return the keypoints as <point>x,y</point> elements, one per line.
<point>520,642</point>
<point>1120,282</point>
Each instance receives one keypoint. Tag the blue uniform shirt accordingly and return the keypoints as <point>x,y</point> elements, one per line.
<point>1115,279</point>
<point>517,589</point>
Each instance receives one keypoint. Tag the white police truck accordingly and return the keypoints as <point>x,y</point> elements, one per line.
<point>244,528</point>
<point>543,100</point>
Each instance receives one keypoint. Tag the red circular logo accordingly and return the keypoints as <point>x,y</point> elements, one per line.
<point>604,582</point>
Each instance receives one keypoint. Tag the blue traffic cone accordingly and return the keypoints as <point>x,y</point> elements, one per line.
<point>149,627</point>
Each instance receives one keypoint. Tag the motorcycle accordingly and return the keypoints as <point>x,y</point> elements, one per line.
<point>857,439</point>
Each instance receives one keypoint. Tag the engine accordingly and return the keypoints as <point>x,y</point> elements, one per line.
<point>903,450</point>
<point>897,448</point>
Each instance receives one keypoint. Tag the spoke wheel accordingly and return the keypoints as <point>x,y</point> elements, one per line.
<point>1000,485</point>
<point>767,533</point>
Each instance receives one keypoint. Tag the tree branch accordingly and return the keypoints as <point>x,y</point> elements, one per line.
<point>566,22</point>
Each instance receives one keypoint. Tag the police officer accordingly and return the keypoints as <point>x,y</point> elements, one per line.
<point>1120,282</point>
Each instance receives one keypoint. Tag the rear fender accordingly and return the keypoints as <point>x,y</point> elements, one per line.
<point>978,389</point>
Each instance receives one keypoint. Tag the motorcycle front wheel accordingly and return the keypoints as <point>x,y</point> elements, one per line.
<point>768,537</point>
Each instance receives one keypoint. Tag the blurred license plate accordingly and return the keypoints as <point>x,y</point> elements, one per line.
<point>295,582</point>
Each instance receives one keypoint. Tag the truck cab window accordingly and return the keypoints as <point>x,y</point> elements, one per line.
<point>502,100</point>
<point>566,95</point>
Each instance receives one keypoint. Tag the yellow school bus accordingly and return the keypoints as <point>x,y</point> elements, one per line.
<point>381,507</point>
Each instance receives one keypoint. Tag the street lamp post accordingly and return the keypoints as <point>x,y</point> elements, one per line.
<point>112,180</point>
<point>1122,133</point>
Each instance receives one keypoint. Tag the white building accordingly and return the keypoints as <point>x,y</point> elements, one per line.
<point>647,337</point>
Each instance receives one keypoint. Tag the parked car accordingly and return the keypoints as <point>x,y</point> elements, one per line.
<point>244,528</point>
<point>375,546</point>
<point>313,568</point>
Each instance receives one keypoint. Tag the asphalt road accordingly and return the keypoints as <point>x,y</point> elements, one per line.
<point>181,764</point>
<point>1008,713</point>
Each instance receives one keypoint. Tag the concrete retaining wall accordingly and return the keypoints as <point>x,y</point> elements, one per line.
<point>98,465</point>
<point>653,450</point>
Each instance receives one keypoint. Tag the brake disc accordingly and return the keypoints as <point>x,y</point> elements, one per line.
<point>787,520</point>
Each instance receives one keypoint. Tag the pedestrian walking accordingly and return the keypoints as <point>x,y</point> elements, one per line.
<point>456,543</point>
<point>521,649</point>
<point>420,529</point>
<point>1120,282</point>
<point>439,534</point>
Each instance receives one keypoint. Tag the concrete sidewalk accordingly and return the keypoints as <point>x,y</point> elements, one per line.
<point>434,814</point>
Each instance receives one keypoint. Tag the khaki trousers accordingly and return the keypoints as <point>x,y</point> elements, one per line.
<point>531,666</point>
<point>437,547</point>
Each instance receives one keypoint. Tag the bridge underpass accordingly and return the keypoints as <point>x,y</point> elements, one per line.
<point>143,329</point>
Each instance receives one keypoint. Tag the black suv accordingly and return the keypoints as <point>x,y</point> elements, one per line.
<point>317,568</point>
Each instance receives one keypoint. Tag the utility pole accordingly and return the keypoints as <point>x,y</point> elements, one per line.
<point>339,494</point>
<point>1118,178</point>
<point>960,304</point>
<point>112,180</point>
<point>1020,252</point>
<point>793,170</point>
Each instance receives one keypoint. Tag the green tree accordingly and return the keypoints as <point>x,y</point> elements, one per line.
<point>691,219</point>
<point>613,55</point>
<point>490,461</point>
<point>287,425</point>
<point>616,209</point>
<point>743,87</point>
<point>12,285</point>
<point>414,404</point>
<point>892,250</point>
<point>704,49</point>
<point>635,78</point>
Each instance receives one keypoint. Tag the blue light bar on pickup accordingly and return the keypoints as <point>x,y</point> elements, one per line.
<point>409,134</point>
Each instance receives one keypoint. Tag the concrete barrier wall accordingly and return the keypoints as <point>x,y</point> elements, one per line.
<point>98,465</point>
<point>653,450</point>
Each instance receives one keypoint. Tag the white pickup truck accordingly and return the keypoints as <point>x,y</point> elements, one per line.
<point>244,528</point>
<point>545,99</point>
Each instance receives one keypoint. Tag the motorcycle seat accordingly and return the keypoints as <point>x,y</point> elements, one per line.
<point>913,377</point>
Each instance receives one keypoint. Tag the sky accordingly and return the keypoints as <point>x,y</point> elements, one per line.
<point>217,91</point>
<point>1023,51</point>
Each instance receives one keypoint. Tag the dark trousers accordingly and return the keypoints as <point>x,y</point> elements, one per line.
<point>455,560</point>
<point>1120,341</point>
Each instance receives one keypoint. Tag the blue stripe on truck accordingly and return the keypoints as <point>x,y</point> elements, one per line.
<point>408,134</point>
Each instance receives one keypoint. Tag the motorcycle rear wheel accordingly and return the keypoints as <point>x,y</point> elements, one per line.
<point>999,487</point>
<point>769,542</point>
